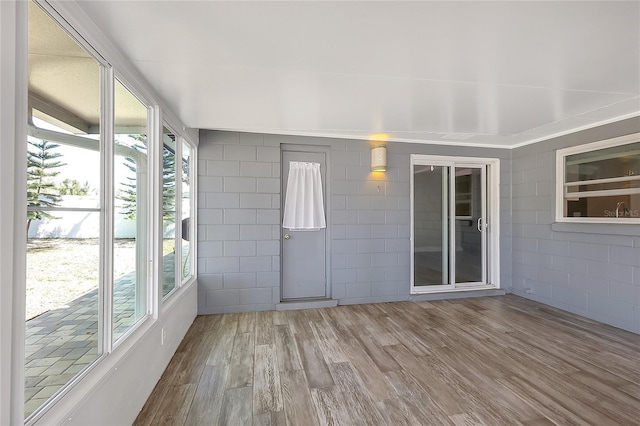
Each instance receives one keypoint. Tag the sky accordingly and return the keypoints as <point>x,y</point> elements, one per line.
<point>81,164</point>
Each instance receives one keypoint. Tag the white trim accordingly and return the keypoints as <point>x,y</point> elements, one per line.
<point>493,242</point>
<point>412,239</point>
<point>32,208</point>
<point>578,129</point>
<point>155,217</point>
<point>105,286</point>
<point>599,181</point>
<point>561,154</point>
<point>365,135</point>
<point>594,146</point>
<point>608,221</point>
<point>602,193</point>
<point>451,289</point>
<point>13,201</point>
<point>483,223</point>
<point>194,208</point>
<point>448,228</point>
<point>177,234</point>
<point>490,229</point>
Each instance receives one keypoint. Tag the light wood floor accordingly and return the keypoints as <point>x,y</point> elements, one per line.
<point>493,361</point>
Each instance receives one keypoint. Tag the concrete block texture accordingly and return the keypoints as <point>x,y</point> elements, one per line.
<point>255,169</point>
<point>368,220</point>
<point>594,267</point>
<point>239,184</point>
<point>239,153</point>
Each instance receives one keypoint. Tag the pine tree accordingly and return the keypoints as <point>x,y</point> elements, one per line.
<point>41,189</point>
<point>128,193</point>
<point>168,185</point>
<point>74,187</point>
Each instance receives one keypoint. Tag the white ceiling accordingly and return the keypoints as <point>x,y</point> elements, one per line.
<point>489,73</point>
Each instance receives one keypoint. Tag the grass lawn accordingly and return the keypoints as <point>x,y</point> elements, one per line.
<point>61,269</point>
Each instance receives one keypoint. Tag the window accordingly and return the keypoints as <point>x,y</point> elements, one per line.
<point>95,198</point>
<point>64,212</point>
<point>131,211</point>
<point>169,177</point>
<point>599,182</point>
<point>177,242</point>
<point>186,234</point>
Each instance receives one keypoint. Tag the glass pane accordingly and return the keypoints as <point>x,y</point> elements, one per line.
<point>604,183</point>
<point>62,175</point>
<point>619,206</point>
<point>463,193</point>
<point>168,211</point>
<point>632,184</point>
<point>63,247</point>
<point>131,211</point>
<point>186,211</point>
<point>468,238</point>
<point>431,225</point>
<point>614,162</point>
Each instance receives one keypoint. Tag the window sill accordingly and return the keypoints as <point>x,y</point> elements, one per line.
<point>628,229</point>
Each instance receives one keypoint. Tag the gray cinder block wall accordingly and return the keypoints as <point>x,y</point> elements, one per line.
<point>589,269</point>
<point>239,219</point>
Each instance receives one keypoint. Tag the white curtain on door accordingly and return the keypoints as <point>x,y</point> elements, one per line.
<point>304,204</point>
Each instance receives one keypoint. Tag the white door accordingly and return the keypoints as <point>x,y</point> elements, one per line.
<point>303,252</point>
<point>454,223</point>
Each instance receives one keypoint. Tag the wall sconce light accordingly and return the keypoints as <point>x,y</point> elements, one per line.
<point>379,158</point>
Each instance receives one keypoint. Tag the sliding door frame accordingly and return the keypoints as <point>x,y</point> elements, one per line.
<point>490,226</point>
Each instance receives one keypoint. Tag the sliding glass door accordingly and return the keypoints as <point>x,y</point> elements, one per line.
<point>451,215</point>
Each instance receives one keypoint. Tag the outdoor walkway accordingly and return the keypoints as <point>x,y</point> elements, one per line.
<point>62,342</point>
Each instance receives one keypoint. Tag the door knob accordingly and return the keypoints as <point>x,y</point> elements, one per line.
<point>287,236</point>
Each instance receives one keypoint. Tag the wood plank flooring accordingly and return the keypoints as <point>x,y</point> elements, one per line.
<point>486,361</point>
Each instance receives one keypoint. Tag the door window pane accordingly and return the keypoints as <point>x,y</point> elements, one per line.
<point>431,225</point>
<point>63,219</point>
<point>131,211</point>
<point>168,211</point>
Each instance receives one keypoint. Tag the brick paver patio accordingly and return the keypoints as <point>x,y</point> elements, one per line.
<point>61,342</point>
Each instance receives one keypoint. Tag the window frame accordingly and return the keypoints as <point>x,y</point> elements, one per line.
<point>562,154</point>
<point>192,208</point>
<point>105,141</point>
<point>110,351</point>
<point>116,77</point>
<point>180,282</point>
<point>177,214</point>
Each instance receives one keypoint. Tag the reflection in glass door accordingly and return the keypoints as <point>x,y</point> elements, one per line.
<point>450,217</point>
<point>431,225</point>
<point>469,229</point>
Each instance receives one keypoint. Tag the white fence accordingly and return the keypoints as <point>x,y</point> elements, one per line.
<point>79,224</point>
